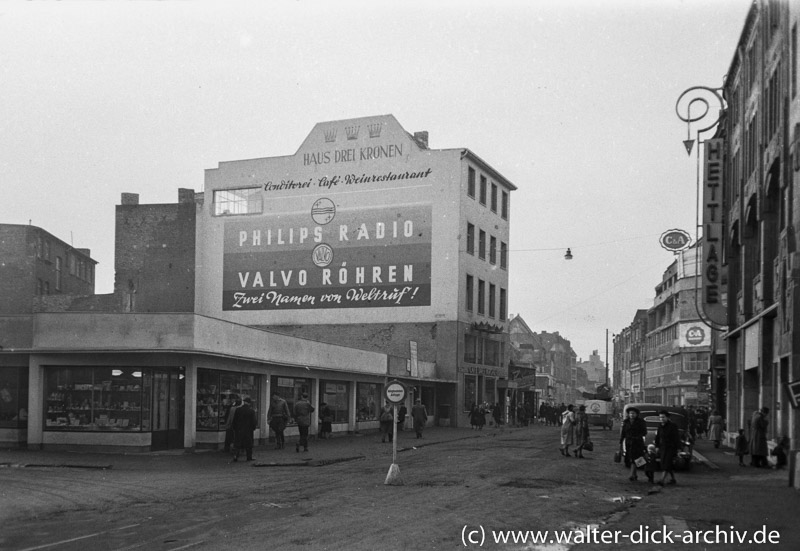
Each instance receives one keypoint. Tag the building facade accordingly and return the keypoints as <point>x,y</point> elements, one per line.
<point>36,265</point>
<point>679,343</point>
<point>630,345</point>
<point>366,236</point>
<point>758,236</point>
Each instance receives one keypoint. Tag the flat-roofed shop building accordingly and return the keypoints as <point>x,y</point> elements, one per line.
<point>363,257</point>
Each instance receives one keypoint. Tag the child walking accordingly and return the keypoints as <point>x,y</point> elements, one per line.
<point>742,447</point>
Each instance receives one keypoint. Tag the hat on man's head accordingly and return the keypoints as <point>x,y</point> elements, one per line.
<point>634,409</point>
<point>305,395</point>
<point>247,401</point>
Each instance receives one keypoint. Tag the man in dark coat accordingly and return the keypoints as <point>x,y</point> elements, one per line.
<point>302,416</point>
<point>420,416</point>
<point>758,438</point>
<point>244,423</point>
<point>668,441</point>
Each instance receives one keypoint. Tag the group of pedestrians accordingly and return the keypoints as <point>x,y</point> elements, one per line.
<point>419,416</point>
<point>664,450</point>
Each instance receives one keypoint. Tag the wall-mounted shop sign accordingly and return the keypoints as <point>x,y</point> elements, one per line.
<point>486,371</point>
<point>712,290</point>
<point>693,334</point>
<point>675,240</point>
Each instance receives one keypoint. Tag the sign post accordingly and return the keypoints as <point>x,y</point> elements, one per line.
<point>395,394</point>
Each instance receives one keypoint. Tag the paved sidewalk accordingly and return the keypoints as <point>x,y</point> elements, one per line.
<point>342,447</point>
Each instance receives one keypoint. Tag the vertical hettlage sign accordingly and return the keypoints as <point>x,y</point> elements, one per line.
<point>329,257</point>
<point>712,232</point>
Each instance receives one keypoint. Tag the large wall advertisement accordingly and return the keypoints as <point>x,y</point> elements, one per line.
<point>346,222</point>
<point>329,255</point>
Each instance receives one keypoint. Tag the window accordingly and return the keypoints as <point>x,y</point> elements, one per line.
<point>337,395</point>
<point>494,198</point>
<point>217,391</point>
<point>502,304</point>
<point>504,206</point>
<point>488,391</point>
<point>470,292</point>
<point>471,182</point>
<point>39,247</point>
<point>14,397</point>
<point>481,296</point>
<point>47,250</point>
<point>470,345</point>
<point>482,245</point>
<point>58,273</point>
<point>97,399</point>
<point>368,400</point>
<point>237,201</point>
<point>483,190</point>
<point>492,250</point>
<point>470,238</point>
<point>503,255</point>
<point>290,389</point>
<point>492,296</point>
<point>71,264</point>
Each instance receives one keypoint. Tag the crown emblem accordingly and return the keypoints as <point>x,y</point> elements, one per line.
<point>375,130</point>
<point>330,135</point>
<point>352,132</point>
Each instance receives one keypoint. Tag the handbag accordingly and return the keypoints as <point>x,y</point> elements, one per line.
<point>589,446</point>
<point>617,456</point>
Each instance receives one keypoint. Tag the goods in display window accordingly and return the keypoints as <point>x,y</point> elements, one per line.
<point>217,392</point>
<point>92,406</point>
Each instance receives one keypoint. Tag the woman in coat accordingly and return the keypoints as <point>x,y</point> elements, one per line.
<point>581,431</point>
<point>567,430</point>
<point>715,428</point>
<point>633,432</point>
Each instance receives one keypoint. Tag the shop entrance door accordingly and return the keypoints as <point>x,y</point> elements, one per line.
<point>167,411</point>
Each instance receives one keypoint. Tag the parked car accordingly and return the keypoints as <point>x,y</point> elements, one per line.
<point>679,416</point>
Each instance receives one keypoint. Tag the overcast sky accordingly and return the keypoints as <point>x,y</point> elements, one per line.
<point>573,101</point>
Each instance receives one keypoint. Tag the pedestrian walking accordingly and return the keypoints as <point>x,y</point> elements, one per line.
<point>420,416</point>
<point>581,431</point>
<point>651,456</point>
<point>475,417</point>
<point>567,430</point>
<point>277,417</point>
<point>386,420</point>
<point>715,423</point>
<point>497,414</point>
<point>668,440</point>
<point>758,438</point>
<point>244,423</point>
<point>302,416</point>
<point>633,431</point>
<point>229,433</point>
<point>326,419</point>
<point>401,417</point>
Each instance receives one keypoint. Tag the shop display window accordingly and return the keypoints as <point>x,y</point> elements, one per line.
<point>217,391</point>
<point>368,400</point>
<point>97,398</point>
<point>336,394</point>
<point>14,397</point>
<point>290,389</point>
<point>488,391</point>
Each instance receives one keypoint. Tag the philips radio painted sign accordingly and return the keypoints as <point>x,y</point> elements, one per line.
<point>329,257</point>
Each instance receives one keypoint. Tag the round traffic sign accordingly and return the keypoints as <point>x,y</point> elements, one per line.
<point>395,392</point>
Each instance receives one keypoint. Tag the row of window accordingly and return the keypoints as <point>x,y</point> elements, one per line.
<point>480,350</point>
<point>492,249</point>
<point>677,363</point>
<point>77,266</point>
<point>493,301</point>
<point>487,193</point>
